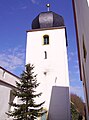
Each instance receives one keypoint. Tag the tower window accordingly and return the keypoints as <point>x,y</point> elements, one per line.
<point>45,54</point>
<point>46,39</point>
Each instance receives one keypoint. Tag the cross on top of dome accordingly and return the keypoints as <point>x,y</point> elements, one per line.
<point>48,6</point>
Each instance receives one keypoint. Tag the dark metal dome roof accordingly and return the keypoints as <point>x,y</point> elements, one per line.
<point>47,20</point>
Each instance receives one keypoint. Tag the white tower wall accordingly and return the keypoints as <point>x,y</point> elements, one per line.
<point>52,71</point>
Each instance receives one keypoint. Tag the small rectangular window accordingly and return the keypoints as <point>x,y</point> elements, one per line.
<point>84,49</point>
<point>45,54</point>
<point>11,98</point>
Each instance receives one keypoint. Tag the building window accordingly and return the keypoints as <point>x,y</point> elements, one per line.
<point>45,54</point>
<point>46,39</point>
<point>3,75</point>
<point>11,98</point>
<point>44,116</point>
<point>84,49</point>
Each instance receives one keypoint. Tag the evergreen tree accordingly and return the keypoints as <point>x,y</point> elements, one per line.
<point>27,109</point>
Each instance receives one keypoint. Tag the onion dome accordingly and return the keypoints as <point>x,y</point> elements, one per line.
<point>47,20</point>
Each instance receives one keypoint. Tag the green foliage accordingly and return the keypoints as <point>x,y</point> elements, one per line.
<point>27,109</point>
<point>74,112</point>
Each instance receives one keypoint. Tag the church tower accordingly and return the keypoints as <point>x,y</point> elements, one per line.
<point>47,50</point>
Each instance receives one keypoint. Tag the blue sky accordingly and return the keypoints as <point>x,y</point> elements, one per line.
<point>16,17</point>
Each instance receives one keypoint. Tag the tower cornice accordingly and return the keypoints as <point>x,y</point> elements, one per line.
<point>42,29</point>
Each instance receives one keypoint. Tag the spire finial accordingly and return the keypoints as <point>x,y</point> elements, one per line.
<point>48,6</point>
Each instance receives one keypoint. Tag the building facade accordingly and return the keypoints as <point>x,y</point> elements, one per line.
<point>81,16</point>
<point>47,51</point>
<point>7,84</point>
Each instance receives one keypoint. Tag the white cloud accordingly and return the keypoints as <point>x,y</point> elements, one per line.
<point>73,63</point>
<point>23,7</point>
<point>73,80</point>
<point>36,1</point>
<point>11,59</point>
<point>71,56</point>
<point>33,1</point>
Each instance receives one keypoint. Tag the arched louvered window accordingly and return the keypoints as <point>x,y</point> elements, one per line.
<point>46,39</point>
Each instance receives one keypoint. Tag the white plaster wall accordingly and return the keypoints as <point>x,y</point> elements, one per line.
<point>56,64</point>
<point>7,82</point>
<point>4,100</point>
<point>82,18</point>
<point>7,77</point>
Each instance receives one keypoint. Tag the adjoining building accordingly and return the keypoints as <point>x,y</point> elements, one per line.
<point>47,51</point>
<point>7,84</point>
<point>81,16</point>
